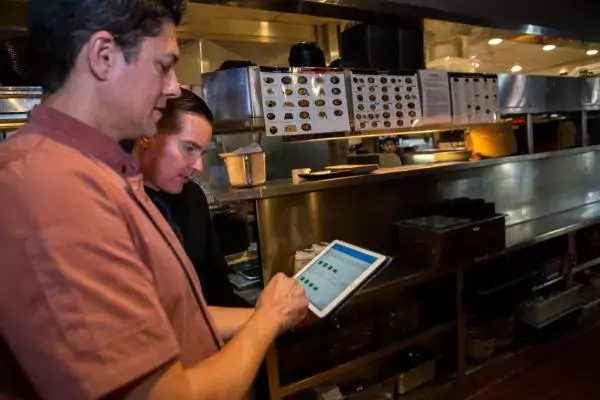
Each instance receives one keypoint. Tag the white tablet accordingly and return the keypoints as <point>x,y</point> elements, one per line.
<point>333,275</point>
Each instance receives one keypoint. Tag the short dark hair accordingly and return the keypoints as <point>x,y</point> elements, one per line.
<point>188,102</point>
<point>59,29</point>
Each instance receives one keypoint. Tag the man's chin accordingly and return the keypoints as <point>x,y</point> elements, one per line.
<point>175,189</point>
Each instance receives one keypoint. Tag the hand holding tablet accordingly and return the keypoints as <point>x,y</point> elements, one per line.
<point>335,274</point>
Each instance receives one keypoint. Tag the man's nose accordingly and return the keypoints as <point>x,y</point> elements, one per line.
<point>172,89</point>
<point>197,165</point>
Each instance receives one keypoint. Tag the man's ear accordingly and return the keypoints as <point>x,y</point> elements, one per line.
<point>102,53</point>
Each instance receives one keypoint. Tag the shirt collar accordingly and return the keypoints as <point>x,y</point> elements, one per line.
<point>86,139</point>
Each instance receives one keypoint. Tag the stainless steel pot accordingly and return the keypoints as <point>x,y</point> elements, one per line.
<point>245,170</point>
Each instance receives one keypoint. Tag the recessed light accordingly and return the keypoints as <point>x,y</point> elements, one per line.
<point>591,52</point>
<point>495,41</point>
<point>549,47</point>
<point>516,68</point>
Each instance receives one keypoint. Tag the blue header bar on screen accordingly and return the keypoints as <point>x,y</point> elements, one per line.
<point>354,253</point>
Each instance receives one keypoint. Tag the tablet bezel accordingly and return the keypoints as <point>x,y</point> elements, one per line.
<point>379,260</point>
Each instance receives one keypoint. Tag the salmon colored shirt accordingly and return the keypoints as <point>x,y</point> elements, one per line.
<point>95,289</point>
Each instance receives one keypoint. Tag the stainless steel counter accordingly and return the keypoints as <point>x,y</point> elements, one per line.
<point>537,230</point>
<point>285,187</point>
<point>399,275</point>
<point>518,236</point>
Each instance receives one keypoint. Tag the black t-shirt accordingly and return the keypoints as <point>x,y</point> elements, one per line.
<point>189,216</point>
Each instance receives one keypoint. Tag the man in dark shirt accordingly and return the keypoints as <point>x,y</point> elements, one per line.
<point>167,162</point>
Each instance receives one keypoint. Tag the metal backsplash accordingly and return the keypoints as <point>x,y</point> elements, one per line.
<point>364,214</point>
<point>522,94</point>
<point>16,102</point>
<point>236,97</point>
<point>591,94</point>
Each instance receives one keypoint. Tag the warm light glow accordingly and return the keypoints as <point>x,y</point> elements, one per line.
<point>516,68</point>
<point>591,52</point>
<point>549,47</point>
<point>495,41</point>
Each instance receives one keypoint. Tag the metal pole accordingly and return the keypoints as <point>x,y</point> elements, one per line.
<point>530,133</point>
<point>461,327</point>
<point>585,139</point>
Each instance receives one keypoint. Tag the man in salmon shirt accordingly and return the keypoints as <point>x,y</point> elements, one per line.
<point>98,298</point>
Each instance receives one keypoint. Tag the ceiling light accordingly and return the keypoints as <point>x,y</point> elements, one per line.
<point>563,71</point>
<point>549,47</point>
<point>516,68</point>
<point>495,41</point>
<point>591,52</point>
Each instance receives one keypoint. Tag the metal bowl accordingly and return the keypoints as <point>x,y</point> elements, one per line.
<point>245,170</point>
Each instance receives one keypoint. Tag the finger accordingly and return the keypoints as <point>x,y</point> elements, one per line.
<point>304,302</point>
<point>298,291</point>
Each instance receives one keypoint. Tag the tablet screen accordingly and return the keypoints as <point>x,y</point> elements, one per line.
<point>332,272</point>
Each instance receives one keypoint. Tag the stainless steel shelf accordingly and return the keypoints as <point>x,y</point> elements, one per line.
<point>538,230</point>
<point>347,368</point>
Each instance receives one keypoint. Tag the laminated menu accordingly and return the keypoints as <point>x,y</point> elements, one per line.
<point>475,98</point>
<point>385,100</point>
<point>300,101</point>
<point>436,97</point>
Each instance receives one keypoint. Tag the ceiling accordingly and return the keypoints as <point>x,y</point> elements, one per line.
<point>239,27</point>
<point>531,57</point>
<point>245,30</point>
<point>446,39</point>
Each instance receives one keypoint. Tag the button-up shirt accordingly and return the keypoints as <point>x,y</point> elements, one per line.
<point>95,288</point>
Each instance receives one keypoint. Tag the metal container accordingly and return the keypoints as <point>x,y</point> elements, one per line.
<point>539,311</point>
<point>235,96</point>
<point>245,170</point>
<point>416,377</point>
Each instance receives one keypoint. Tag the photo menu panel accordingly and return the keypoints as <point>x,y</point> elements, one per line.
<point>385,100</point>
<point>304,101</point>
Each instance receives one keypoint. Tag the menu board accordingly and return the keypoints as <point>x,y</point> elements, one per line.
<point>475,98</point>
<point>385,100</point>
<point>299,101</point>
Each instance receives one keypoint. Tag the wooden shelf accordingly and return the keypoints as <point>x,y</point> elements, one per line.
<point>345,369</point>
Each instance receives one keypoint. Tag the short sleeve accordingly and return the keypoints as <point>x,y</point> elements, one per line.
<point>78,308</point>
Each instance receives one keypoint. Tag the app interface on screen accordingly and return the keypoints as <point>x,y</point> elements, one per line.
<point>332,273</point>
